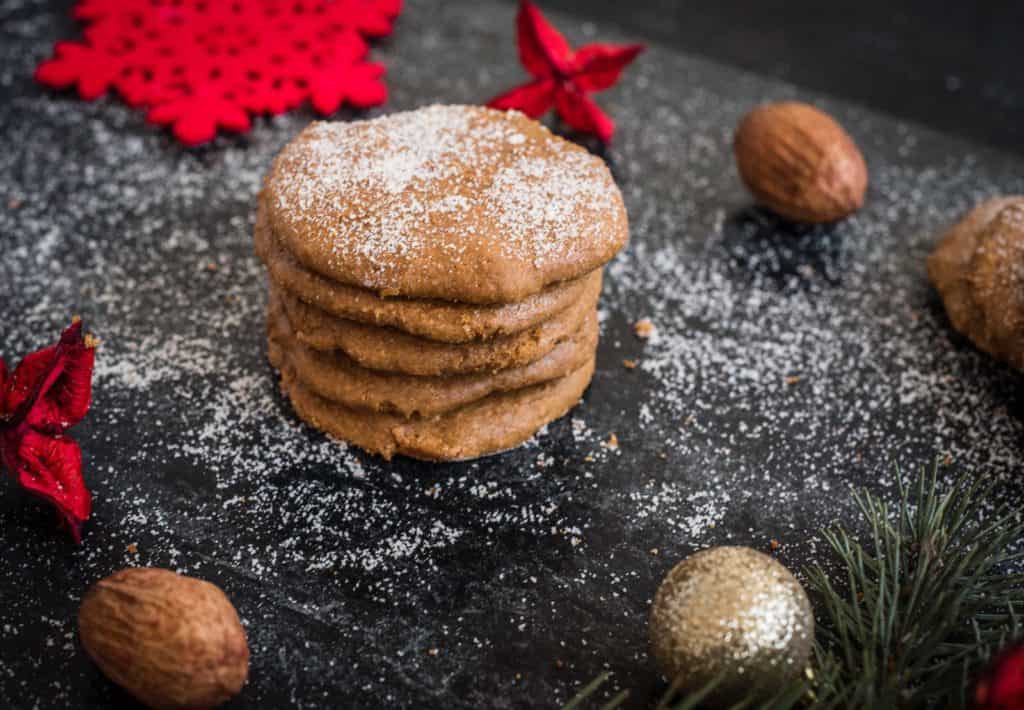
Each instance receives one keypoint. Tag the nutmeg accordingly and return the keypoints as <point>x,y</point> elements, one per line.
<point>800,163</point>
<point>171,641</point>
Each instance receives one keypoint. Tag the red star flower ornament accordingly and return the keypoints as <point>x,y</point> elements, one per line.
<point>562,77</point>
<point>49,392</point>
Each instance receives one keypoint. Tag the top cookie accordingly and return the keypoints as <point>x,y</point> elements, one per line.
<point>462,203</point>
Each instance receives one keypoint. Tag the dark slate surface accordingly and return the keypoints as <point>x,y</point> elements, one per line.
<point>509,581</point>
<point>953,67</point>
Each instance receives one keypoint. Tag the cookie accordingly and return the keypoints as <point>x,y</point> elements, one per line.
<point>976,268</point>
<point>336,378</point>
<point>488,426</point>
<point>459,203</point>
<point>432,319</point>
<point>395,351</point>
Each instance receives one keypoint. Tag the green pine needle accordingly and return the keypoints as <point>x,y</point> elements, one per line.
<point>588,690</point>
<point>922,603</point>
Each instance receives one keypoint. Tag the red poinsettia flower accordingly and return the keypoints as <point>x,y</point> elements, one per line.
<point>563,78</point>
<point>49,392</point>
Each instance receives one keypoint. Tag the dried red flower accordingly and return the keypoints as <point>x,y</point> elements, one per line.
<point>563,78</point>
<point>49,392</point>
<point>1001,686</point>
<point>201,66</point>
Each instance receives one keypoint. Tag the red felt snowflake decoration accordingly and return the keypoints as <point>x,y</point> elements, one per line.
<point>48,392</point>
<point>563,78</point>
<point>204,65</point>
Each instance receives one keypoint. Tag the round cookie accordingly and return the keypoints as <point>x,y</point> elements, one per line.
<point>337,378</point>
<point>395,351</point>
<point>948,263</point>
<point>432,319</point>
<point>977,269</point>
<point>488,426</point>
<point>460,203</point>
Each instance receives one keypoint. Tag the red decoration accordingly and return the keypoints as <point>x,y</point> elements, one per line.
<point>204,65</point>
<point>1001,687</point>
<point>49,392</point>
<point>562,77</point>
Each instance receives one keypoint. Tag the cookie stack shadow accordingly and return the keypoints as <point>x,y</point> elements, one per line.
<point>433,378</point>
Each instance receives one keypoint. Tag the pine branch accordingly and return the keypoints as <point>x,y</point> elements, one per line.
<point>921,606</point>
<point>925,602</point>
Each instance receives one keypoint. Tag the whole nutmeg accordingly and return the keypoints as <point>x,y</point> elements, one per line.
<point>171,641</point>
<point>800,163</point>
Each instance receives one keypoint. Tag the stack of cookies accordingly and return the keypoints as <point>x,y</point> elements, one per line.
<point>434,277</point>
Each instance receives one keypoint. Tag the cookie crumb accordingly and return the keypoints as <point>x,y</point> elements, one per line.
<point>132,548</point>
<point>643,328</point>
<point>653,551</point>
<point>212,266</point>
<point>14,203</point>
<point>792,379</point>
<point>947,460</point>
<point>613,441</point>
<point>559,664</point>
<point>774,544</point>
<point>629,364</point>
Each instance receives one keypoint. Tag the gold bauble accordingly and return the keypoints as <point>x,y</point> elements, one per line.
<point>732,611</point>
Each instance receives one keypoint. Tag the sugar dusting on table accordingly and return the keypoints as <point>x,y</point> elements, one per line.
<point>783,364</point>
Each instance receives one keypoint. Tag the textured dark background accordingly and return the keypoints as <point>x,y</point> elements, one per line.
<point>953,66</point>
<point>510,581</point>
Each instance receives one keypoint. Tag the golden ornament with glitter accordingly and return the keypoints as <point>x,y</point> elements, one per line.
<point>731,612</point>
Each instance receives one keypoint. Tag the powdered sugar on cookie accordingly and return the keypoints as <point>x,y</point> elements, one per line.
<point>456,202</point>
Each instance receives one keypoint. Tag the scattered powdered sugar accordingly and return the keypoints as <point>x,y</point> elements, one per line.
<point>536,202</point>
<point>785,366</point>
<point>388,153</point>
<point>685,511</point>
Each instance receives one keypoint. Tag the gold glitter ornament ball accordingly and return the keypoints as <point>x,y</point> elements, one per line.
<point>731,611</point>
